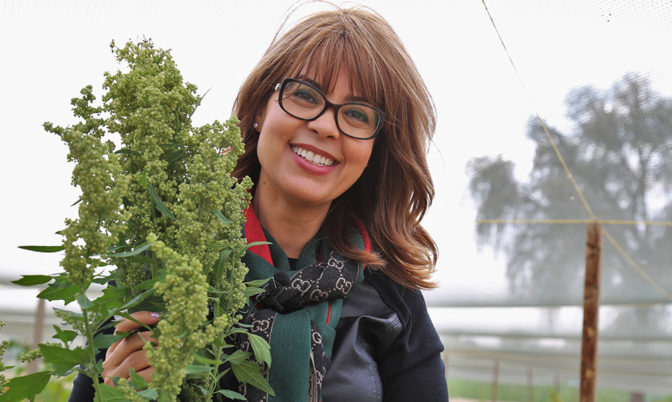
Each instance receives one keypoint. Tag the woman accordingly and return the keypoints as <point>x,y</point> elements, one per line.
<point>336,121</point>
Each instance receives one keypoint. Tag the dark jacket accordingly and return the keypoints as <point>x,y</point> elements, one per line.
<point>386,347</point>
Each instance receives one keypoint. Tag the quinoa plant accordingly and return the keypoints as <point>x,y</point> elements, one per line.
<point>3,346</point>
<point>160,226</point>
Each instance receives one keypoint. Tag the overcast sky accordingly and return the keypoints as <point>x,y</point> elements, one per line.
<point>51,49</point>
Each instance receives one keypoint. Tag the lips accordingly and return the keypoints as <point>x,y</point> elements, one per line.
<point>313,156</point>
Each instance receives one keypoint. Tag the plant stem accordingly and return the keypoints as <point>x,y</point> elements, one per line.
<point>94,371</point>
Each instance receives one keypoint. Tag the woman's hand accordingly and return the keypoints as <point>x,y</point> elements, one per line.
<point>127,353</point>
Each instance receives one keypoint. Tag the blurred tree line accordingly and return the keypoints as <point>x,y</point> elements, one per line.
<point>620,154</point>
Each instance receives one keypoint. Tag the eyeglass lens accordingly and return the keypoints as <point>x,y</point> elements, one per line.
<point>307,103</point>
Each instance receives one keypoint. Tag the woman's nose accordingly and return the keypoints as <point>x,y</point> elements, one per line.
<point>325,125</point>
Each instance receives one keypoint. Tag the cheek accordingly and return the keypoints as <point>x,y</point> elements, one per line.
<point>271,129</point>
<point>359,155</point>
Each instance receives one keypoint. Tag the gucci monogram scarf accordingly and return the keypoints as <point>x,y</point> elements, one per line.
<point>298,311</point>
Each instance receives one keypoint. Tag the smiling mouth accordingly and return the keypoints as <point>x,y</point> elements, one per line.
<point>312,157</point>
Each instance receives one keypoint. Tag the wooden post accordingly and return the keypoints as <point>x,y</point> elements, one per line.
<point>556,382</point>
<point>495,380</point>
<point>591,305</point>
<point>38,329</point>
<point>530,385</point>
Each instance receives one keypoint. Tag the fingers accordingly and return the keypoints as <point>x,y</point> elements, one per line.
<point>124,347</point>
<point>128,353</point>
<point>146,373</point>
<point>145,317</point>
<point>137,361</point>
<point>127,357</point>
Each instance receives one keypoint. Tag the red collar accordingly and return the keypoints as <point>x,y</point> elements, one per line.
<point>255,233</point>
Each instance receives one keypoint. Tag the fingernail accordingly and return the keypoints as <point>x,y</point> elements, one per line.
<point>155,315</point>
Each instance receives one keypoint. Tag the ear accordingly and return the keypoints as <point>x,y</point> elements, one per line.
<point>259,119</point>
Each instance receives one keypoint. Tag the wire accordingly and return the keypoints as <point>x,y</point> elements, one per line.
<point>573,221</point>
<point>589,210</point>
<point>634,265</point>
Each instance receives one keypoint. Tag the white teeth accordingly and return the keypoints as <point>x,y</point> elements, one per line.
<point>312,157</point>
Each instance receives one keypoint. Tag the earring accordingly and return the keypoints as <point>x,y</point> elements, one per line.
<point>256,126</point>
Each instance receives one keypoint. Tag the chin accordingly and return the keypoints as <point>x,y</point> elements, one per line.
<point>309,195</point>
<point>311,199</point>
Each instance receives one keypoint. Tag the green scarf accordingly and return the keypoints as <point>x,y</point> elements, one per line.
<point>299,310</point>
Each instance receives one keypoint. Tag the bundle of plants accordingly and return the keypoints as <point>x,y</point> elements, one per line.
<point>159,226</point>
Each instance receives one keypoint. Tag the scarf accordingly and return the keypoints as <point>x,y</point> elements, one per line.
<point>298,310</point>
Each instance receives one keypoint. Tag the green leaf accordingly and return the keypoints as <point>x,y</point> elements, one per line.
<point>105,341</point>
<point>31,280</point>
<point>249,292</point>
<point>149,394</point>
<point>43,249</point>
<point>173,157</point>
<point>257,283</point>
<point>238,356</point>
<point>218,245</point>
<point>140,323</point>
<point>197,369</point>
<point>137,300</point>
<point>153,302</point>
<point>127,151</point>
<point>109,393</point>
<point>158,203</point>
<point>84,302</point>
<point>148,284</point>
<point>60,291</point>
<point>221,217</point>
<point>250,373</point>
<point>231,394</point>
<point>142,180</point>
<point>102,280</point>
<point>164,398</point>
<point>257,243</point>
<point>72,315</point>
<point>64,335</point>
<point>138,249</point>
<point>63,359</point>
<point>200,388</point>
<point>221,262</point>
<point>261,348</point>
<point>25,387</point>
<point>214,290</point>
<point>112,297</point>
<point>205,360</point>
<point>138,381</point>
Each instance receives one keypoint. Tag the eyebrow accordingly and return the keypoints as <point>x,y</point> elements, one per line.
<point>349,98</point>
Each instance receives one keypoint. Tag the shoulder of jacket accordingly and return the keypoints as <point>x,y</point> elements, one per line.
<point>400,299</point>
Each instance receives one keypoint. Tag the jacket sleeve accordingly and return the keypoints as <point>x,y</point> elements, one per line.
<point>412,370</point>
<point>82,389</point>
<point>82,386</point>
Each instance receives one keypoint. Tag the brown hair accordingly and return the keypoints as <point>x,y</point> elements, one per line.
<point>395,190</point>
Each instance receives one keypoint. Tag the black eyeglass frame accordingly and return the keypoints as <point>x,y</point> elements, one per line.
<point>329,105</point>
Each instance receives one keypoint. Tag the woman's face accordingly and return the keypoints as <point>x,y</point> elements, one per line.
<point>309,163</point>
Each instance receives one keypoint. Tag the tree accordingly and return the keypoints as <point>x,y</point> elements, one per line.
<point>620,155</point>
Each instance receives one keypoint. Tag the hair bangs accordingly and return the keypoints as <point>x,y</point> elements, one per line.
<point>326,52</point>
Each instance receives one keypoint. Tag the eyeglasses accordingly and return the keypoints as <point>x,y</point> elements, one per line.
<point>354,119</point>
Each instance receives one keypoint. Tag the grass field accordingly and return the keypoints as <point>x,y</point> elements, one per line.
<point>462,390</point>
